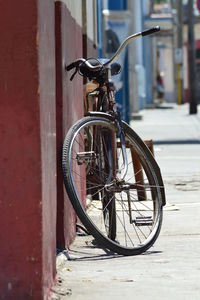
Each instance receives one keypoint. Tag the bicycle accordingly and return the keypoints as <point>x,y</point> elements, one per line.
<point>111,177</point>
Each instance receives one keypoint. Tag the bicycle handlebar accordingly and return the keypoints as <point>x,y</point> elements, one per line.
<point>150,31</point>
<point>130,39</point>
<point>95,68</point>
<point>77,63</point>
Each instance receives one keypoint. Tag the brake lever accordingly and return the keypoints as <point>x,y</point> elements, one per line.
<point>72,77</point>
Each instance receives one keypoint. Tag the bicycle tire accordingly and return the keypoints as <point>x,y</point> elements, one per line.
<point>79,159</point>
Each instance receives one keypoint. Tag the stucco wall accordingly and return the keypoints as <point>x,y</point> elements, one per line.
<point>27,134</point>
<point>69,103</point>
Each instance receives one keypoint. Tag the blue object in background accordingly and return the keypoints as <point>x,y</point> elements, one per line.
<point>116,4</point>
<point>100,28</point>
<point>122,95</point>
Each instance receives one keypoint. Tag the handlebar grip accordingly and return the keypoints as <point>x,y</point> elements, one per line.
<point>75,64</point>
<point>70,66</point>
<point>150,31</point>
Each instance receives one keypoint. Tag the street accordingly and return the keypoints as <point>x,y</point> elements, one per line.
<point>171,268</point>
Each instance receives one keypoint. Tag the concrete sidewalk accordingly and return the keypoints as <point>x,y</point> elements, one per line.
<point>170,269</point>
<point>169,124</point>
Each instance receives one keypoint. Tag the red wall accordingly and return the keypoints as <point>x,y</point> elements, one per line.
<point>70,45</point>
<point>45,40</point>
<point>69,105</point>
<point>28,149</point>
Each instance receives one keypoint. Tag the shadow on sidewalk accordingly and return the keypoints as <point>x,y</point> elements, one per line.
<point>85,253</point>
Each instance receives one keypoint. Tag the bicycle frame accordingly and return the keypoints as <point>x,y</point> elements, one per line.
<point>106,99</point>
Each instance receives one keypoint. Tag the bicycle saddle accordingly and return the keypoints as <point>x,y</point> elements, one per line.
<point>92,68</point>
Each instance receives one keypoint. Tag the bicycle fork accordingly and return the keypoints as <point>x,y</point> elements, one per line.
<point>111,145</point>
<point>123,146</point>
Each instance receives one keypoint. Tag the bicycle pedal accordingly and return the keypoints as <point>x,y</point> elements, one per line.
<point>143,221</point>
<point>85,157</point>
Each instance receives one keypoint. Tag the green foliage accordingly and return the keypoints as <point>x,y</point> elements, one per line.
<point>160,1</point>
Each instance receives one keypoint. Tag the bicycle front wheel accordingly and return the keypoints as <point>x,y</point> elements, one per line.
<point>124,215</point>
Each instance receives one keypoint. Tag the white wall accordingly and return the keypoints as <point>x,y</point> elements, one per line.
<point>75,8</point>
<point>91,15</point>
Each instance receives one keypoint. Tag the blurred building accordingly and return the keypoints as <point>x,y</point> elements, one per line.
<point>146,57</point>
<point>164,54</point>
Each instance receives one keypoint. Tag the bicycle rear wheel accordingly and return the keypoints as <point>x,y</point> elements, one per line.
<point>124,216</point>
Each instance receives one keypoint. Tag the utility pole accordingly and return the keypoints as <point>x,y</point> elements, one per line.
<point>135,57</point>
<point>179,53</point>
<point>192,56</point>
